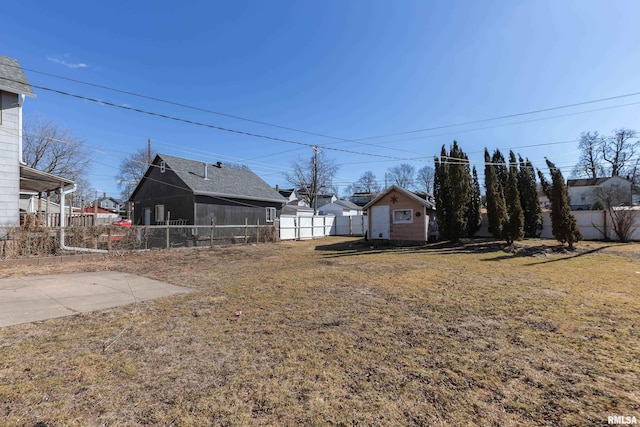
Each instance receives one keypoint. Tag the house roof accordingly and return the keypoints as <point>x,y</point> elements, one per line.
<point>92,209</point>
<point>286,192</point>
<point>346,204</point>
<point>401,190</point>
<point>222,181</point>
<point>589,182</point>
<point>12,78</point>
<point>113,199</point>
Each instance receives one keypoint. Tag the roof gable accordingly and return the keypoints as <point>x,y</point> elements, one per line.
<point>403,191</point>
<point>12,78</point>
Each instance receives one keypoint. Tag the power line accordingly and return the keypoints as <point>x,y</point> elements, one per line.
<point>211,126</point>
<point>177,104</point>
<point>508,116</point>
<point>358,140</point>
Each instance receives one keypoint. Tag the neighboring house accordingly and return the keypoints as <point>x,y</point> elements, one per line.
<point>340,208</point>
<point>362,198</point>
<point>292,196</point>
<point>398,214</point>
<point>297,210</point>
<point>103,216</point>
<point>198,193</point>
<point>635,195</point>
<point>325,199</point>
<point>15,176</point>
<point>111,204</point>
<point>321,199</point>
<point>583,192</point>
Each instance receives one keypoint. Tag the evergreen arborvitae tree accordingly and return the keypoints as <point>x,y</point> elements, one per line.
<point>500,165</point>
<point>529,200</point>
<point>440,191</point>
<point>474,218</point>
<point>496,209</point>
<point>563,223</point>
<point>452,189</point>
<point>514,228</point>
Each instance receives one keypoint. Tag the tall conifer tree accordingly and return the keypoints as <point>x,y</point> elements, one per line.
<point>452,190</point>
<point>475,203</point>
<point>514,228</point>
<point>529,200</point>
<point>496,209</point>
<point>563,223</point>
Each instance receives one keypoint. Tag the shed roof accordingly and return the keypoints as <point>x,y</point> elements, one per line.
<point>12,78</point>
<point>221,180</point>
<point>404,191</point>
<point>346,204</point>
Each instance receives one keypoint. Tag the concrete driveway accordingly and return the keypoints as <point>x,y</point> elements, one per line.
<point>32,298</point>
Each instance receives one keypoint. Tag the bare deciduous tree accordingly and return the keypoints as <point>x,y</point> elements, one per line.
<point>425,178</point>
<point>131,171</point>
<point>312,177</point>
<point>402,175</point>
<point>590,163</point>
<point>619,151</point>
<point>367,183</point>
<point>51,148</point>
<point>617,203</point>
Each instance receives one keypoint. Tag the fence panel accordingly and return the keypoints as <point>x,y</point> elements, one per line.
<point>305,227</point>
<point>353,225</point>
<point>288,227</point>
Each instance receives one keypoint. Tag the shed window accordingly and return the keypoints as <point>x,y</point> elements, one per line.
<point>271,214</point>
<point>402,216</point>
<point>162,166</point>
<point>159,213</point>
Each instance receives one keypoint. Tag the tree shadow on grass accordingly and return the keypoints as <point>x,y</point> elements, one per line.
<point>572,255</point>
<point>502,250</point>
<point>362,247</point>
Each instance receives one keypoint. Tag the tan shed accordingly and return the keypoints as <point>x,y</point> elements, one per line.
<point>401,215</point>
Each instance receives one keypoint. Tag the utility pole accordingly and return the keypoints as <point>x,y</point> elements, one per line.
<point>149,151</point>
<point>314,186</point>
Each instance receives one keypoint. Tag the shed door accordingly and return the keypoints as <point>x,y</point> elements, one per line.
<point>380,224</point>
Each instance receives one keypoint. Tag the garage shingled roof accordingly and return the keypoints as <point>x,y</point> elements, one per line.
<point>222,180</point>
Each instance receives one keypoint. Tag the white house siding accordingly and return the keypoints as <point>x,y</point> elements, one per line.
<point>582,197</point>
<point>9,164</point>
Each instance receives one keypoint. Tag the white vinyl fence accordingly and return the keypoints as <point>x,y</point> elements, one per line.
<point>592,224</point>
<point>294,227</point>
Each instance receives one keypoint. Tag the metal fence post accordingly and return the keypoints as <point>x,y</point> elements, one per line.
<point>246,230</point>
<point>168,219</point>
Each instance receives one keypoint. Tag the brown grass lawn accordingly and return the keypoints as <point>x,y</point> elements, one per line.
<point>336,332</point>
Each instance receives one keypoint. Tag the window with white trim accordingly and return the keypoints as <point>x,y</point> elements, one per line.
<point>271,214</point>
<point>403,216</point>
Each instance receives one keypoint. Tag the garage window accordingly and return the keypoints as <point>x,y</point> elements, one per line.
<point>271,214</point>
<point>159,213</point>
<point>403,216</point>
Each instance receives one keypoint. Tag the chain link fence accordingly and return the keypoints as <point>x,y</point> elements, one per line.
<point>19,242</point>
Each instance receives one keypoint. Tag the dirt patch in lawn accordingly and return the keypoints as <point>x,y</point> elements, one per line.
<point>338,331</point>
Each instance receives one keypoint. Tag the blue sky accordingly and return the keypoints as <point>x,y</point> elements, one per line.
<point>343,69</point>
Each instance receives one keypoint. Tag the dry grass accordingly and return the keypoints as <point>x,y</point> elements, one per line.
<point>336,332</point>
